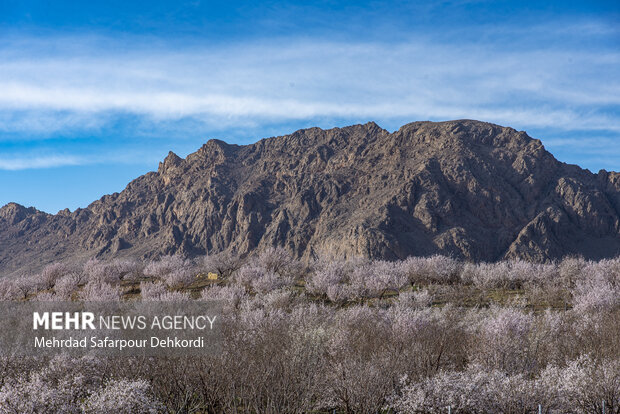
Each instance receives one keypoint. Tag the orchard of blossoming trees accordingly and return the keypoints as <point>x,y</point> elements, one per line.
<point>350,336</point>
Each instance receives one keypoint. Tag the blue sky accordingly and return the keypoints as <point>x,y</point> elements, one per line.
<point>93,94</point>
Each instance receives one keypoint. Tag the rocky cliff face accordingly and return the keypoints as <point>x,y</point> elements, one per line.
<point>465,188</point>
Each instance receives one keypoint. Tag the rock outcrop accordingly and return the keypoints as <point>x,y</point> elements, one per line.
<point>464,188</point>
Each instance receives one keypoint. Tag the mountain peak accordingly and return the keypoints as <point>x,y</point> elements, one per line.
<point>469,189</point>
<point>13,213</point>
<point>172,160</point>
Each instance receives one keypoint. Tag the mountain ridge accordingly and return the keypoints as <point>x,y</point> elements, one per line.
<point>470,189</point>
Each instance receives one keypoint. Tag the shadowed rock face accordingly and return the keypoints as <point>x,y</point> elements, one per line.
<point>465,188</point>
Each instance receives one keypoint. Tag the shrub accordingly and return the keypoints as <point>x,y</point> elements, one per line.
<point>175,271</point>
<point>278,299</point>
<point>340,293</point>
<point>598,289</point>
<point>475,390</point>
<point>123,397</point>
<point>285,351</point>
<point>101,272</point>
<point>8,290</point>
<point>261,280</point>
<point>158,292</point>
<point>34,394</point>
<point>383,277</point>
<point>112,271</point>
<point>270,281</point>
<point>433,269</point>
<point>224,263</point>
<point>152,290</point>
<point>584,384</point>
<point>97,291</point>
<point>51,273</point>
<point>490,275</point>
<point>26,285</point>
<point>165,265</point>
<point>417,299</point>
<point>65,287</point>
<point>48,297</point>
<point>505,340</point>
<point>570,270</point>
<point>247,275</point>
<point>279,260</point>
<point>180,278</point>
<point>232,295</point>
<point>56,388</point>
<point>79,277</point>
<point>326,275</point>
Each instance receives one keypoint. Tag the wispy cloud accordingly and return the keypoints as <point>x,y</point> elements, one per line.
<point>28,160</point>
<point>36,162</point>
<point>593,143</point>
<point>285,79</point>
<point>137,89</point>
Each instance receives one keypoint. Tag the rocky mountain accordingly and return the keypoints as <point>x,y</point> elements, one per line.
<point>464,188</point>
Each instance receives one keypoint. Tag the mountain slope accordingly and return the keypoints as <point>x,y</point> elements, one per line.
<point>465,188</point>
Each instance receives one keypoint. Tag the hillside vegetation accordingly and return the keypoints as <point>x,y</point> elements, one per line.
<point>355,336</point>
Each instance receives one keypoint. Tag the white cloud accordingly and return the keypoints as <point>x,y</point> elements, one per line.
<point>36,123</point>
<point>28,160</point>
<point>304,79</point>
<point>35,162</point>
<point>586,143</point>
